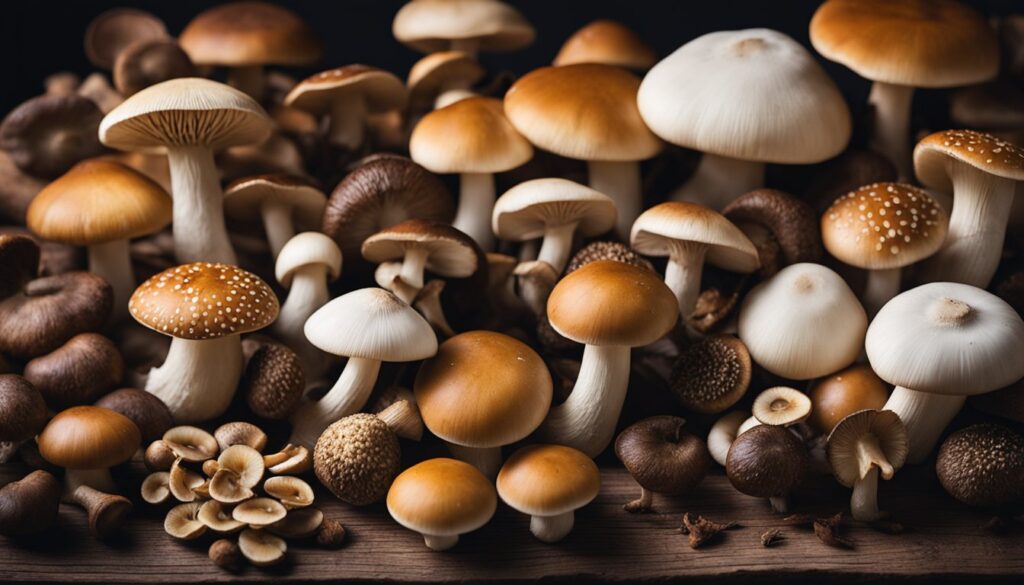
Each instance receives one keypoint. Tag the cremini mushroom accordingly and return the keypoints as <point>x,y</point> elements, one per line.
<point>781,406</point>
<point>843,393</point>
<point>78,372</point>
<point>863,447</point>
<point>609,42</point>
<point>662,458</point>
<point>49,134</point>
<point>783,228</point>
<point>281,201</point>
<point>273,382</point>
<point>147,63</point>
<point>711,375</point>
<point>22,409</point>
<point>464,25</point>
<point>767,462</point>
<point>982,465</point>
<point>29,505</point>
<point>723,433</point>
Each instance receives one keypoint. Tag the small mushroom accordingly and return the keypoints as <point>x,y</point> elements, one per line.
<point>290,491</point>
<point>421,245</point>
<point>240,433</point>
<point>463,25</point>
<point>218,518</point>
<point>712,374</point>
<point>781,406</point>
<point>113,31</point>
<point>156,488</point>
<point>78,372</point>
<point>87,441</point>
<point>301,523</point>
<point>148,63</point>
<point>843,393</point>
<point>261,548</point>
<point>723,433</point>
<point>49,134</point>
<point>148,412</point>
<point>609,42</point>
<point>183,483</point>
<point>441,79</point>
<point>225,554</point>
<point>159,456</point>
<point>182,521</point>
<point>767,462</point>
<point>273,382</point>
<point>783,228</point>
<point>864,446</point>
<point>22,409</point>
<point>239,469</point>
<point>292,459</point>
<point>259,512</point>
<point>662,458</point>
<point>191,444</point>
<point>29,505</point>
<point>282,201</point>
<point>983,465</point>
<point>331,534</point>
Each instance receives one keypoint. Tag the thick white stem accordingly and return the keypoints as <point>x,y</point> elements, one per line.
<point>413,265</point>
<point>347,124</point>
<point>890,133</point>
<point>98,479</point>
<point>277,222</point>
<point>486,459</point>
<point>248,80</point>
<point>198,378</point>
<point>113,262</point>
<point>476,202</point>
<point>440,543</point>
<point>557,245</point>
<point>619,180</point>
<point>682,274</point>
<point>881,287</point>
<point>198,225</point>
<point>587,419</point>
<point>552,528</point>
<point>348,396</point>
<point>925,415</point>
<point>308,293</point>
<point>864,501</point>
<point>719,179</point>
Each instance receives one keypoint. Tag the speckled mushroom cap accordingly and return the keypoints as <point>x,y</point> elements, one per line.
<point>305,249</point>
<point>450,252</point>
<point>204,301</point>
<point>89,437</point>
<point>470,136</point>
<point>442,497</point>
<point>250,33</point>
<point>884,225</point>
<point>980,150</point>
<point>433,72</point>
<point>548,480</point>
<point>584,111</point>
<point>356,458</point>
<point>608,42</point>
<point>615,251</point>
<point>983,465</point>
<point>432,25</point>
<point>244,197</point>
<point>938,43</point>
<point>711,375</point>
<point>483,389</point>
<point>884,427</point>
<point>380,90</point>
<point>664,226</point>
<point>525,211</point>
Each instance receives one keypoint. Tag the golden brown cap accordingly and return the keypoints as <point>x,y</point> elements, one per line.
<point>113,31</point>
<point>548,480</point>
<point>663,226</point>
<point>204,301</point>
<point>432,25</point>
<point>432,73</point>
<point>243,198</point>
<point>483,389</point>
<point>89,437</point>
<point>442,497</point>
<point>470,136</point>
<point>608,42</point>
<point>525,211</point>
<point>250,33</point>
<point>980,150</point>
<point>450,252</point>
<point>843,393</point>
<point>379,90</point>
<point>585,111</point>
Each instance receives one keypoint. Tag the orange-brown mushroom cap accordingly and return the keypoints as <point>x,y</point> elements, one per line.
<point>250,33</point>
<point>548,480</point>
<point>89,437</point>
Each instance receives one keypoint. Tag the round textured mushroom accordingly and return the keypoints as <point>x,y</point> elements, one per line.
<point>665,225</point>
<point>884,225</point>
<point>250,33</point>
<point>470,136</point>
<point>432,73</point>
<point>185,112</point>
<point>356,458</point>
<point>585,111</point>
<point>608,42</point>
<point>983,465</point>
<point>442,497</point>
<point>883,427</point>
<point>483,389</point>
<point>380,90</point>
<point>204,301</point>
<point>450,252</point>
<point>980,150</point>
<point>614,251</point>
<point>524,211</point>
<point>431,25</point>
<point>46,135</point>
<point>940,43</point>
<point>305,249</point>
<point>243,198</point>
<point>113,31</point>
<point>548,480</point>
<point>89,437</point>
<point>711,375</point>
<point>611,303</point>
<point>99,201</point>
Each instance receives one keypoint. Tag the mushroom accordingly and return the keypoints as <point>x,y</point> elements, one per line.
<point>370,326</point>
<point>182,521</point>
<point>743,98</point>
<point>261,548</point>
<point>281,200</point>
<point>158,455</point>
<point>225,554</point>
<point>16,190</point>
<point>240,433</point>
<point>61,83</point>
<point>782,227</point>
<point>767,462</point>
<point>441,79</point>
<point>204,308</point>
<point>97,89</point>
<point>843,393</point>
<point>78,372</point>
<point>47,135</point>
<point>293,459</point>
<point>711,375</point>
<point>292,492</point>
<point>864,446</point>
<point>473,138</point>
<point>993,106</point>
<point>19,263</point>
<point>300,523</point>
<point>611,307</point>
<point>331,534</point>
<point>148,63</point>
<point>191,118</point>
<point>604,250</point>
<point>156,488</point>
<point>688,234</point>
<point>113,31</point>
<point>588,112</point>
<point>609,42</point>
<point>900,46</point>
<point>972,340</point>
<point>239,470</point>
<point>191,444</point>
<point>463,25</point>
<point>555,210</point>
<point>29,505</point>
<point>723,433</point>
<point>22,409</point>
<point>480,391</point>
<point>983,465</point>
<point>421,245</point>
<point>278,154</point>
<point>148,412</point>
<point>259,512</point>
<point>781,406</point>
<point>441,499</point>
<point>273,382</point>
<point>662,458</point>
<point>783,323</point>
<point>218,518</point>
<point>548,482</point>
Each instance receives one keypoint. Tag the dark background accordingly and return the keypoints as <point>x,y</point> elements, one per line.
<point>40,37</point>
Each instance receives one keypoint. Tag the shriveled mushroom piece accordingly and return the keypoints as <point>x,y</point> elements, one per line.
<point>291,491</point>
<point>843,393</point>
<point>421,245</point>
<point>112,32</point>
<point>972,338</point>
<point>662,458</point>
<point>47,135</point>
<point>370,326</point>
<point>183,522</point>
<point>218,518</point>
<point>148,412</point>
<point>783,228</point>
<point>261,548</point>
<point>767,462</point>
<point>240,433</point>
<point>862,448</point>
<point>723,433</point>
<point>78,372</point>
<point>191,118</point>
<point>191,444</point>
<point>259,512</point>
<point>441,79</point>
<point>609,42</point>
<point>744,98</point>
<point>273,382</point>
<point>29,505</point>
<point>155,489</point>
<point>239,470</point>
<point>781,406</point>
<point>283,202</point>
<point>711,375</point>
<point>148,63</point>
<point>464,25</point>
<point>982,465</point>
<point>611,307</point>
<point>301,523</point>
<point>783,323</point>
<point>291,459</point>
<point>690,234</point>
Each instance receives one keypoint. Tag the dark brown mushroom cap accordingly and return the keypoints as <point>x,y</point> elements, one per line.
<point>792,223</point>
<point>616,251</point>
<point>357,458</point>
<point>78,372</point>
<point>766,461</point>
<point>983,465</point>
<point>47,135</point>
<point>29,505</point>
<point>661,456</point>
<point>113,31</point>
<point>22,408</point>
<point>89,437</point>
<point>19,262</point>
<point>250,33</point>
<point>148,412</point>
<point>51,310</point>
<point>273,382</point>
<point>711,375</point>
<point>149,63</point>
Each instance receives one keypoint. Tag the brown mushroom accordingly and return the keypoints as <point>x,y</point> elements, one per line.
<point>662,458</point>
<point>47,135</point>
<point>145,410</point>
<point>115,30</point>
<point>983,465</point>
<point>843,393</point>
<point>240,433</point>
<point>29,505</point>
<point>783,228</point>
<point>273,382</point>
<point>78,372</point>
<point>19,262</point>
<point>148,63</point>
<point>767,462</point>
<point>22,409</point>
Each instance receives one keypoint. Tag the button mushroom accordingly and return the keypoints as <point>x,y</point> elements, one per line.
<point>464,25</point>
<point>983,465</point>
<point>609,42</point>
<point>767,462</point>
<point>421,245</point>
<point>662,458</point>
<point>282,201</point>
<point>864,446</point>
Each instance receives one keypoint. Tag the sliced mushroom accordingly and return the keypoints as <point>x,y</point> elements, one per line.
<point>156,488</point>
<point>183,522</point>
<point>261,548</point>
<point>291,491</point>
<point>191,444</point>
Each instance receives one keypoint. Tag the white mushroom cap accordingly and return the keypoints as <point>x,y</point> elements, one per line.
<point>305,249</point>
<point>525,210</point>
<point>661,227</point>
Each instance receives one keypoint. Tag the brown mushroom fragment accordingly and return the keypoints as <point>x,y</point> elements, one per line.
<point>782,227</point>
<point>29,505</point>
<point>47,135</point>
<point>712,374</point>
<point>983,465</point>
<point>863,447</point>
<point>662,458</point>
<point>240,433</point>
<point>273,382</point>
<point>22,409</point>
<point>78,372</point>
<point>239,470</point>
<point>767,462</point>
<point>218,518</point>
<point>148,412</point>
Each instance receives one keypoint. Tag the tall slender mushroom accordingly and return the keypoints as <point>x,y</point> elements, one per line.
<point>463,25</point>
<point>863,447</point>
<point>283,202</point>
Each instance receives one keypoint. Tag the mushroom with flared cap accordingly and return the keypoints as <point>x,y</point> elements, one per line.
<point>781,406</point>
<point>974,340</point>
<point>204,308</point>
<point>767,462</point>
<point>843,393</point>
<point>900,46</point>
<point>149,63</point>
<point>441,79</point>
<point>483,390</point>
<point>191,118</point>
<point>369,326</point>
<point>983,172</point>
<point>983,465</point>
<point>744,98</point>
<point>442,499</point>
<point>864,446</point>
<point>588,112</point>
<point>473,138</point>
<point>283,201</point>
<point>662,458</point>
<point>688,234</point>
<point>611,307</point>
<point>803,323</point>
<point>608,42</point>
<point>464,25</point>
<point>48,134</point>
<point>112,32</point>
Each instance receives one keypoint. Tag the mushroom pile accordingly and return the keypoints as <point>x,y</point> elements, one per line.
<point>517,271</point>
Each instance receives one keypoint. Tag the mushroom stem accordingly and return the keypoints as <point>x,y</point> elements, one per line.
<point>557,245</point>
<point>552,528</point>
<point>198,218</point>
<point>94,478</point>
<point>536,280</point>
<point>198,378</point>
<point>439,543</point>
<point>486,459</point>
<point>449,96</point>
<point>348,396</point>
<point>413,265</point>
<point>106,511</point>
<point>925,415</point>
<point>779,503</point>
<point>864,501</point>
<point>683,272</point>
<point>277,222</point>
<point>587,419</point>
<point>619,180</point>
<point>882,285</point>
<point>871,457</point>
<point>476,204</point>
<point>428,303</point>
<point>977,226</point>
<point>347,125</point>
<point>308,293</point>
<point>890,132</point>
<point>641,504</point>
<point>719,180</point>
<point>468,46</point>
<point>113,262</point>
<point>248,79</point>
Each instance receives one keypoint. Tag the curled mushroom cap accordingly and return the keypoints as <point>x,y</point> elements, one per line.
<point>356,458</point>
<point>291,458</point>
<point>712,375</point>
<point>662,458</point>
<point>155,489</point>
<point>183,522</point>
<point>983,465</point>
<point>791,225</point>
<point>843,393</point>
<point>864,446</point>
<point>261,548</point>
<point>608,42</point>
<point>259,512</point>
<point>217,518</point>
<point>191,443</point>
<point>781,406</point>
<point>78,372</point>
<point>47,135</point>
<point>114,31</point>
<point>468,25</point>
<point>767,462</point>
<point>22,409</point>
<point>148,63</point>
<point>290,491</point>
